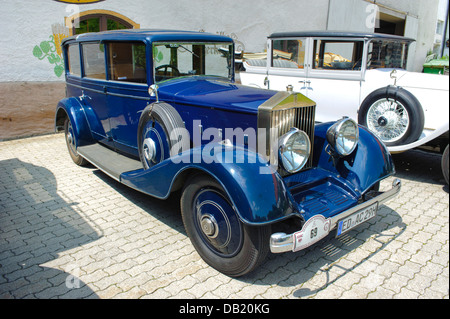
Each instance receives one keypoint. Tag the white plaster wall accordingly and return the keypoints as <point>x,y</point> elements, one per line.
<point>350,15</point>
<point>25,23</point>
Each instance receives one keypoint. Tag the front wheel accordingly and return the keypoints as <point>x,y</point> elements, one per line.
<point>216,231</point>
<point>445,164</point>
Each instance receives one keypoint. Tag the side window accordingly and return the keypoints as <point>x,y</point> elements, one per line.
<point>127,62</point>
<point>338,55</point>
<point>94,60</point>
<point>289,53</point>
<point>73,54</point>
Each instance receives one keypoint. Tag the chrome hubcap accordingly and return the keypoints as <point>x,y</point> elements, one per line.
<point>209,226</point>
<point>149,149</point>
<point>70,138</point>
<point>388,119</point>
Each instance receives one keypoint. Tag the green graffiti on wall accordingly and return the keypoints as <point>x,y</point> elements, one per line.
<point>49,50</point>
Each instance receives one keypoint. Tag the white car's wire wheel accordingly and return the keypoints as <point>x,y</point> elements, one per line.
<point>394,115</point>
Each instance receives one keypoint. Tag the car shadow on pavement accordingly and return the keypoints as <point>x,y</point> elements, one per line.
<point>420,166</point>
<point>316,268</point>
<point>36,224</point>
<point>289,269</point>
<point>166,211</point>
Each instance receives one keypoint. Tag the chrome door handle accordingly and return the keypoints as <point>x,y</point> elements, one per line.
<point>84,96</point>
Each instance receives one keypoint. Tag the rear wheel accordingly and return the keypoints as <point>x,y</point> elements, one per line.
<point>71,143</point>
<point>216,231</point>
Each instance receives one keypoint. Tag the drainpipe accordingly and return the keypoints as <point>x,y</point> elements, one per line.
<point>444,37</point>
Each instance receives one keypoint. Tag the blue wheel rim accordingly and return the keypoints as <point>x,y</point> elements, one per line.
<point>155,135</point>
<point>217,223</point>
<point>71,138</point>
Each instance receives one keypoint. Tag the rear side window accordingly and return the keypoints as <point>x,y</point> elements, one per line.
<point>289,54</point>
<point>127,62</point>
<point>94,60</point>
<point>338,55</point>
<point>73,54</point>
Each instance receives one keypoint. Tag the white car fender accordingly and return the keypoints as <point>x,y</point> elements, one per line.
<point>431,90</point>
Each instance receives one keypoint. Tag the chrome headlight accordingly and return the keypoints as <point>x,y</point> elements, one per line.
<point>294,150</point>
<point>343,136</point>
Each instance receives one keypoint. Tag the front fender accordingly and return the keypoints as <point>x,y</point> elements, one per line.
<point>369,164</point>
<point>257,191</point>
<point>72,108</point>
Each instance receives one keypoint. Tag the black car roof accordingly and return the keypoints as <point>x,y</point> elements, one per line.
<point>338,34</point>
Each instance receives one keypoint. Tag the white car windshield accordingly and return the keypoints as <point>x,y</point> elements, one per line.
<point>179,59</point>
<point>387,54</point>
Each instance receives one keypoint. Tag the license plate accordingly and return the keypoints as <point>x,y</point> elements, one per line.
<point>315,229</point>
<point>356,219</point>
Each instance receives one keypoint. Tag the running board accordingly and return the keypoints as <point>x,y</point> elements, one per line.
<point>109,161</point>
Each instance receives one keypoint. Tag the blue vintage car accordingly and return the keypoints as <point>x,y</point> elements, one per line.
<point>159,111</point>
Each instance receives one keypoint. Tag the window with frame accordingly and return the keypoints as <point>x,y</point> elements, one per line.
<point>338,55</point>
<point>73,60</point>
<point>387,54</point>
<point>178,59</point>
<point>100,22</point>
<point>94,60</point>
<point>127,62</point>
<point>289,54</point>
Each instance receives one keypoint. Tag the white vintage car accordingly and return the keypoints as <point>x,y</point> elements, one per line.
<point>361,76</point>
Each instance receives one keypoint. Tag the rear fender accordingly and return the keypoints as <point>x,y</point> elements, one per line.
<point>72,108</point>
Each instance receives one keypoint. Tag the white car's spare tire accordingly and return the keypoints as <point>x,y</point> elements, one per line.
<point>394,115</point>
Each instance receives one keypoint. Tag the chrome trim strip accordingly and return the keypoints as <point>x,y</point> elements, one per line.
<point>144,98</point>
<point>281,242</point>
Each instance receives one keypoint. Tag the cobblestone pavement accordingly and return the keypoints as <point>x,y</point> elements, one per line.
<point>72,232</point>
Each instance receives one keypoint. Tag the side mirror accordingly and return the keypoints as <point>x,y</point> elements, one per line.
<point>153,91</point>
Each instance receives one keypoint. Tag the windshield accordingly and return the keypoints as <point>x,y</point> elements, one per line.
<point>387,54</point>
<point>177,59</point>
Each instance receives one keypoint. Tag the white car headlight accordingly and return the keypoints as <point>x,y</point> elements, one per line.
<point>294,150</point>
<point>343,136</point>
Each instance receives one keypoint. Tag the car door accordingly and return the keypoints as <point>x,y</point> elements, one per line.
<point>93,90</point>
<point>334,78</point>
<point>127,92</point>
<point>288,65</point>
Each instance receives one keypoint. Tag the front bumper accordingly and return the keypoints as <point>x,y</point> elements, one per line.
<point>281,242</point>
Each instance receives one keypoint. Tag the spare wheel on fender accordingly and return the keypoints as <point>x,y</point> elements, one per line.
<point>394,115</point>
<point>160,131</point>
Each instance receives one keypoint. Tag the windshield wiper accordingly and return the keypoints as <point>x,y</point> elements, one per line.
<point>180,45</point>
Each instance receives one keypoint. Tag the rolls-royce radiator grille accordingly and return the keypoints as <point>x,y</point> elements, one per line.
<point>301,118</point>
<point>281,113</point>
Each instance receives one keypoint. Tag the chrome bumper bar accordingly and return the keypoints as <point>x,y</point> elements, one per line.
<point>281,242</point>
